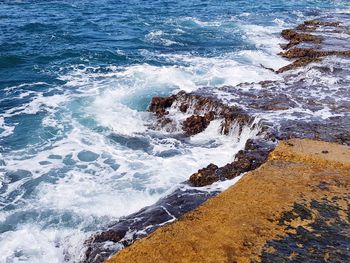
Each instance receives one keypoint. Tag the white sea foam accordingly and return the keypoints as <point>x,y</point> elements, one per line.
<point>159,37</point>
<point>32,244</point>
<point>6,129</point>
<point>112,114</point>
<point>96,189</point>
<point>38,103</point>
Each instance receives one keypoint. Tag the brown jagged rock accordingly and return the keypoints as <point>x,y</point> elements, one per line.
<point>196,124</point>
<point>305,56</point>
<point>305,53</point>
<point>159,105</point>
<point>183,108</point>
<point>296,38</point>
<point>112,235</point>
<point>301,62</point>
<point>254,155</point>
<point>205,176</point>
<point>203,110</point>
<point>312,25</point>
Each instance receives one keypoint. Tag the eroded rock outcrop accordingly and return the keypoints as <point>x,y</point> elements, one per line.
<point>254,154</point>
<point>312,25</point>
<point>198,112</point>
<point>296,38</point>
<point>302,34</point>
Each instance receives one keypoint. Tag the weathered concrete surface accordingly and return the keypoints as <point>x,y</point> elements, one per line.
<point>294,207</point>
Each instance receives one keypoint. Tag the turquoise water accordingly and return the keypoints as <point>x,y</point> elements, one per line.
<point>76,150</point>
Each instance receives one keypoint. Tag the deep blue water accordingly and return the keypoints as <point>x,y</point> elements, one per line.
<point>75,81</point>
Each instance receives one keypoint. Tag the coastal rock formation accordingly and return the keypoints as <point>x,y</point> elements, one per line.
<point>254,154</point>
<point>296,38</point>
<point>159,105</point>
<point>196,123</point>
<point>312,25</point>
<point>294,207</point>
<point>126,230</point>
<point>197,112</point>
<point>205,176</point>
<point>301,35</point>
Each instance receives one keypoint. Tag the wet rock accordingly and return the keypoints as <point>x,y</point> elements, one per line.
<point>302,62</point>
<point>305,56</point>
<point>312,53</point>
<point>331,130</point>
<point>196,124</point>
<point>321,238</point>
<point>274,214</point>
<point>203,106</point>
<point>254,155</point>
<point>87,156</point>
<point>203,110</point>
<point>205,176</point>
<point>296,38</point>
<point>140,224</point>
<point>159,105</point>
<point>113,235</point>
<point>312,25</point>
<point>183,107</point>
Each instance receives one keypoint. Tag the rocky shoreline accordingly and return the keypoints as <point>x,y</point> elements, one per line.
<point>271,110</point>
<point>294,208</point>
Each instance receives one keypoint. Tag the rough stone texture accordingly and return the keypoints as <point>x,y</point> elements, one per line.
<point>315,233</point>
<point>300,197</point>
<point>205,176</point>
<point>312,25</point>
<point>304,56</point>
<point>158,105</point>
<point>202,110</point>
<point>254,155</point>
<point>196,123</point>
<point>140,224</point>
<point>296,38</point>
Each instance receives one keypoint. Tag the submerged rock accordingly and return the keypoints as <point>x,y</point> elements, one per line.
<point>87,156</point>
